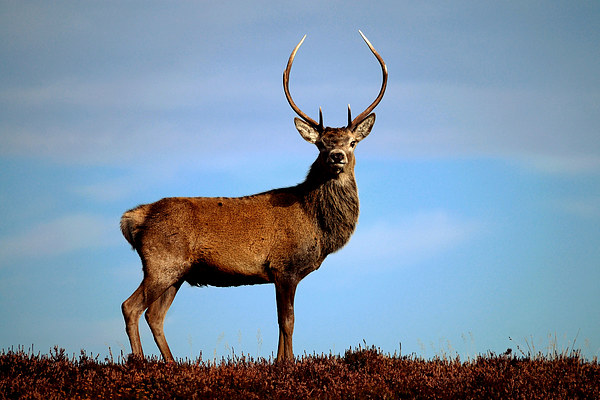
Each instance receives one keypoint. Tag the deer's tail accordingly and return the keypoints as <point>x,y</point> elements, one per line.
<point>131,224</point>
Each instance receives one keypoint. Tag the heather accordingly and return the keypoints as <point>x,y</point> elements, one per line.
<point>361,373</point>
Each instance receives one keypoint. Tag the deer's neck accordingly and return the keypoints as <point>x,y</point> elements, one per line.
<point>333,202</point>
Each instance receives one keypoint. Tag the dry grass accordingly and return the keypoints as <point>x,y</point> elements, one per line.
<point>362,373</point>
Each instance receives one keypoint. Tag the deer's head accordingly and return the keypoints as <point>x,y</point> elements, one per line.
<point>336,145</point>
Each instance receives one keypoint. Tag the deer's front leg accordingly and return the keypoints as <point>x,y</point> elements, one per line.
<point>285,292</point>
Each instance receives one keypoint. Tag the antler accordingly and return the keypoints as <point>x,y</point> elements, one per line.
<point>286,89</point>
<point>351,122</point>
<point>364,114</point>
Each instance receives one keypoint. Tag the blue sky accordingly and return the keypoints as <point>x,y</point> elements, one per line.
<point>479,185</point>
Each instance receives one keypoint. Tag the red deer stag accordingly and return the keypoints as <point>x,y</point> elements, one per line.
<point>279,236</point>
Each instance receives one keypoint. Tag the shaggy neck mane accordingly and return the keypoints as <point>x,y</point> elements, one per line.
<point>333,202</point>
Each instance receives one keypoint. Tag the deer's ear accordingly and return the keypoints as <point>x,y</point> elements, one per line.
<point>363,129</point>
<point>310,134</point>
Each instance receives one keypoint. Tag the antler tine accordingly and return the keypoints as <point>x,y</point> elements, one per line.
<point>349,115</point>
<point>286,89</point>
<point>365,113</point>
<point>320,119</point>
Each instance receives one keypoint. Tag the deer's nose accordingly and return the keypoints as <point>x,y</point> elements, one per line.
<point>337,157</point>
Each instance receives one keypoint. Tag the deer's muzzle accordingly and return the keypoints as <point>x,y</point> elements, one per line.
<point>337,157</point>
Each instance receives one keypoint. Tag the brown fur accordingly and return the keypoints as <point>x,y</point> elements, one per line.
<point>279,236</point>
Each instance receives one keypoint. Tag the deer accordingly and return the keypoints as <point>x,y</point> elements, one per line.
<point>278,236</point>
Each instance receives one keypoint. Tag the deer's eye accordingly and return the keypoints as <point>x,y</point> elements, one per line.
<point>353,143</point>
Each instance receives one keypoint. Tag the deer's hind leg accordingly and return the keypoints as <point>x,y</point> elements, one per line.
<point>147,293</point>
<point>155,316</point>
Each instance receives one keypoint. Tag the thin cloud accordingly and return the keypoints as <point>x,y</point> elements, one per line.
<point>552,131</point>
<point>63,235</point>
<point>529,92</point>
<point>411,238</point>
<point>150,90</point>
<point>116,189</point>
<point>564,164</point>
<point>118,122</point>
<point>587,208</point>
